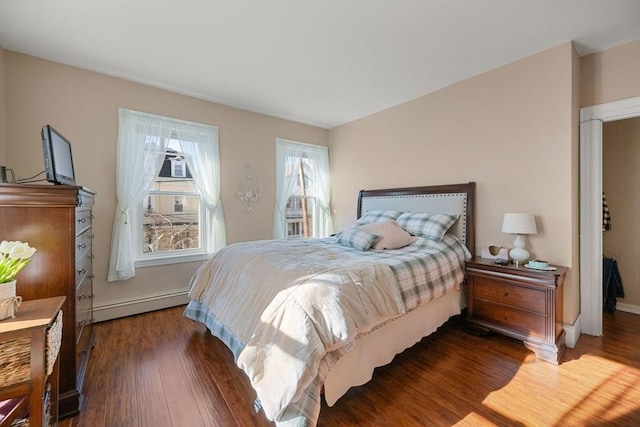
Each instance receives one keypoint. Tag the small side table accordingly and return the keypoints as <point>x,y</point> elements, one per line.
<point>29,344</point>
<point>519,302</point>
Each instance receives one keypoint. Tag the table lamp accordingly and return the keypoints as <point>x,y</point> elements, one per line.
<point>519,224</point>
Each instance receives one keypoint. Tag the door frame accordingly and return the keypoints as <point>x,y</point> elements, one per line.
<point>591,122</point>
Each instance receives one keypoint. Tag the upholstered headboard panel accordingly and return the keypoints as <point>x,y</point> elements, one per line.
<point>451,199</point>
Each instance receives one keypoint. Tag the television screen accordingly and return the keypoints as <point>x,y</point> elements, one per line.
<point>58,161</point>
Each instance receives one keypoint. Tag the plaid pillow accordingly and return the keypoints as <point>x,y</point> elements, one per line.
<point>377,216</point>
<point>431,226</point>
<point>357,238</point>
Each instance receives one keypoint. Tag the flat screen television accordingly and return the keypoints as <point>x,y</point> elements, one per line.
<point>58,161</point>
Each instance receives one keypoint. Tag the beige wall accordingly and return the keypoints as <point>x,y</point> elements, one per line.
<point>512,130</point>
<point>83,106</point>
<point>621,184</point>
<point>610,75</point>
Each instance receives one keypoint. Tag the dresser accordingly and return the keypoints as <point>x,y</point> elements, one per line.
<point>518,302</point>
<point>29,354</point>
<point>57,221</point>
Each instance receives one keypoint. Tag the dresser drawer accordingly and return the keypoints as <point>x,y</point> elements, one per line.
<point>84,306</point>
<point>84,269</point>
<point>84,219</point>
<point>83,245</point>
<point>526,323</point>
<point>516,296</point>
<point>82,347</point>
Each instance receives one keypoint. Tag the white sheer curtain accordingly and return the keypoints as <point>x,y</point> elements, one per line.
<point>204,162</point>
<point>142,144</point>
<point>289,154</point>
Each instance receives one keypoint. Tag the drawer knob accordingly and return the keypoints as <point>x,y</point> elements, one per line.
<point>506,317</point>
<point>82,220</point>
<point>81,272</point>
<point>82,245</point>
<point>506,294</point>
<point>82,297</point>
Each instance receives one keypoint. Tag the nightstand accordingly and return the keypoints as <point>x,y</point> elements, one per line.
<point>518,302</point>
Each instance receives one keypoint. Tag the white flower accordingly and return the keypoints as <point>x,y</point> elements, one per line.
<point>13,257</point>
<point>21,251</point>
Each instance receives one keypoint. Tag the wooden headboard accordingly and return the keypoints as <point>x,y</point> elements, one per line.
<point>450,198</point>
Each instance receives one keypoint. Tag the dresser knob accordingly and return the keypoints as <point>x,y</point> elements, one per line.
<point>83,220</point>
<point>81,272</point>
<point>506,317</point>
<point>82,297</point>
<point>82,245</point>
<point>506,294</point>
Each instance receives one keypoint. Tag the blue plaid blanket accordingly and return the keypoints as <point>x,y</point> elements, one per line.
<point>227,297</point>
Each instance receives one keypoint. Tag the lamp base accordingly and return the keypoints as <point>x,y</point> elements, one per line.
<point>519,254</point>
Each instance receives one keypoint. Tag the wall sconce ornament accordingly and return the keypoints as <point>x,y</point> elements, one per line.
<point>248,188</point>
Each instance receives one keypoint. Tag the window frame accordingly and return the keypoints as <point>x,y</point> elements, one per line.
<point>142,144</point>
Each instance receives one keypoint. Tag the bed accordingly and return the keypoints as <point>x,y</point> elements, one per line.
<point>313,315</point>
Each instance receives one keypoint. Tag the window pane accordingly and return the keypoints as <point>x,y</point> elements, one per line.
<point>300,211</point>
<point>171,223</point>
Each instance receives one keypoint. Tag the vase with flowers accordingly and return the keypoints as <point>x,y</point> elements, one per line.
<point>13,257</point>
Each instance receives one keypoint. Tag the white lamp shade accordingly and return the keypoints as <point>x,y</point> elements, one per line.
<point>519,223</point>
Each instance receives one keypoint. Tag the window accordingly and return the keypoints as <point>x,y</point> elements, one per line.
<point>178,168</point>
<point>168,189</point>
<point>172,209</point>
<point>302,187</point>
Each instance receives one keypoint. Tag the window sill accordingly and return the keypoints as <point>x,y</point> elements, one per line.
<point>174,259</point>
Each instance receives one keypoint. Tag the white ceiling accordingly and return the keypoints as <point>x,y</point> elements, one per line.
<point>324,63</point>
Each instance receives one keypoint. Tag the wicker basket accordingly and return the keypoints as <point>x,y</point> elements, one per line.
<point>14,361</point>
<point>54,340</point>
<point>15,355</point>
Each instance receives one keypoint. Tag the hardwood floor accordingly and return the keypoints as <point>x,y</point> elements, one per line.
<point>160,369</point>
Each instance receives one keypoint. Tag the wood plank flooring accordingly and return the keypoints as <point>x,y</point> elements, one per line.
<point>160,369</point>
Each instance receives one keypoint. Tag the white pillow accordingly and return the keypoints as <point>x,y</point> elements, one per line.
<point>391,235</point>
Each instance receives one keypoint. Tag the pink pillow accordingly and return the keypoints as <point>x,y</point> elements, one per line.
<point>391,235</point>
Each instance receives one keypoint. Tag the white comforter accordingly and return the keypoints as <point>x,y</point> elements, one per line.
<point>292,303</point>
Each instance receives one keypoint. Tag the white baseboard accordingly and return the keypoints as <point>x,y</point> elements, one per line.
<point>635,309</point>
<point>122,308</point>
<point>572,333</point>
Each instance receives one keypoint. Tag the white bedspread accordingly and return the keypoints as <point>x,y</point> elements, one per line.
<point>288,304</point>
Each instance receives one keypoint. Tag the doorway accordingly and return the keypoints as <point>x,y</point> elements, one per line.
<point>591,120</point>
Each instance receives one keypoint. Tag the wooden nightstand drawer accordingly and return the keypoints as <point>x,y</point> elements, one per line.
<point>518,302</point>
<point>504,293</point>
<point>528,324</point>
